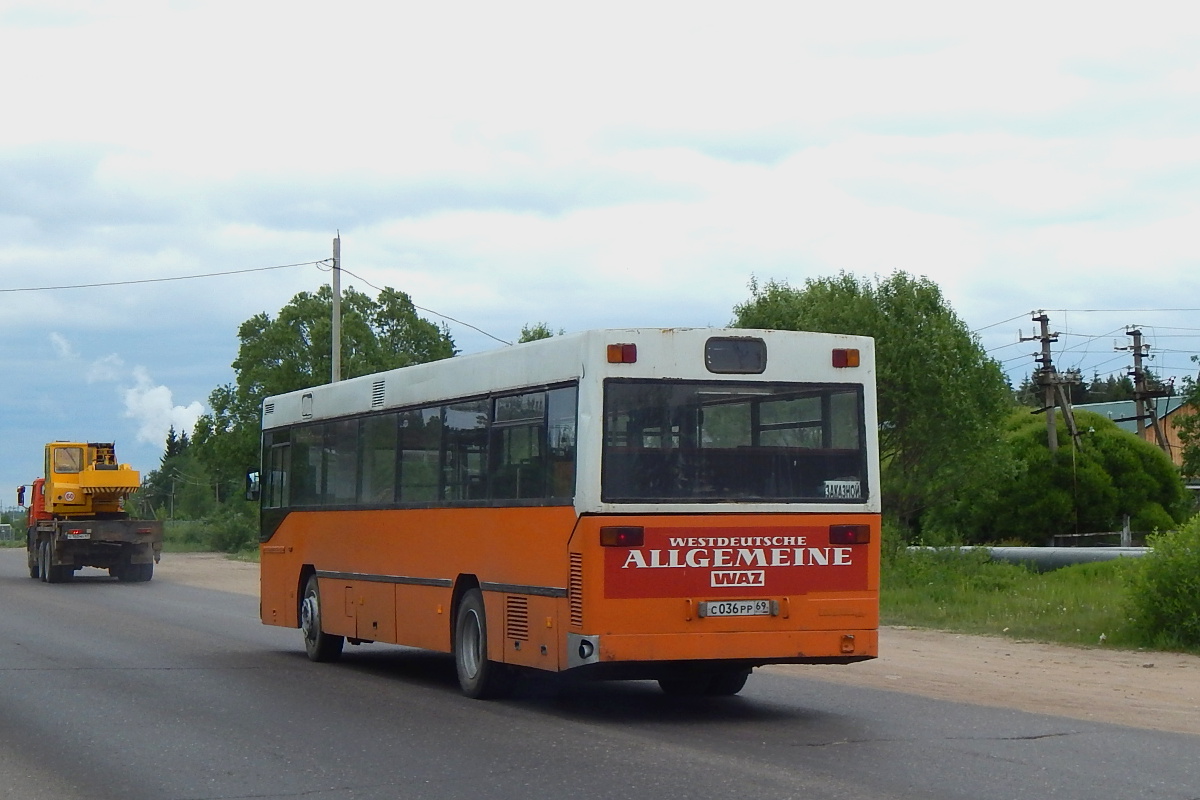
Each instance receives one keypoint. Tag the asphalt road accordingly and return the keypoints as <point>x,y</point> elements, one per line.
<point>169,692</point>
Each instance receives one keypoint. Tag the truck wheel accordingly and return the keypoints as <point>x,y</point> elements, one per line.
<point>51,573</point>
<point>132,573</point>
<point>319,645</point>
<point>477,677</point>
<point>44,566</point>
<point>35,571</point>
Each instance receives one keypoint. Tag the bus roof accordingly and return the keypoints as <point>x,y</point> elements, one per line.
<point>676,353</point>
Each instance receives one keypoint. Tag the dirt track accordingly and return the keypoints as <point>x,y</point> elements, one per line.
<point>1142,689</point>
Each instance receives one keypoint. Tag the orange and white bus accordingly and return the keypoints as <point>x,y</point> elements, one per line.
<point>680,505</point>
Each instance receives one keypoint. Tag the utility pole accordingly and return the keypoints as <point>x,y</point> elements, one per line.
<point>337,309</point>
<point>1142,393</point>
<point>1046,376</point>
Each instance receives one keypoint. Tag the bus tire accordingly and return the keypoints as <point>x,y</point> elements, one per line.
<point>319,646</point>
<point>727,682</point>
<point>684,685</point>
<point>478,678</point>
<point>721,683</point>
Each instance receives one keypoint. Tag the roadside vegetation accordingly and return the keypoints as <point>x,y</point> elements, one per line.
<point>1148,602</point>
<point>231,529</point>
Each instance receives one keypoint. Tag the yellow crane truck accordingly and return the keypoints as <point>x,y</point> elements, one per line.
<point>77,516</point>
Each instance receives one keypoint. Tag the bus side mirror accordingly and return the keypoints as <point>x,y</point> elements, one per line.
<point>252,486</point>
<point>21,496</point>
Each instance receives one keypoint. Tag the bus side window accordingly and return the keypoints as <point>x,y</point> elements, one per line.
<point>308,468</point>
<point>561,412</point>
<point>378,460</point>
<point>276,479</point>
<point>341,461</point>
<point>464,451</point>
<point>517,468</point>
<point>420,440</point>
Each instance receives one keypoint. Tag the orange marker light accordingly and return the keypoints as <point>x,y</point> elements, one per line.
<point>622,354</point>
<point>845,357</point>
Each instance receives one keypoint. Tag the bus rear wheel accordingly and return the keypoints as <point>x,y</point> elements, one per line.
<point>319,645</point>
<point>478,678</point>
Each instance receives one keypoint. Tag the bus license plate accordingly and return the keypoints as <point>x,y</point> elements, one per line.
<point>737,608</point>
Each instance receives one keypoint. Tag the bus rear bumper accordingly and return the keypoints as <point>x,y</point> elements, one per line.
<point>614,652</point>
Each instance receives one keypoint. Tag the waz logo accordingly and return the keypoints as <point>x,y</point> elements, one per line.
<point>748,577</point>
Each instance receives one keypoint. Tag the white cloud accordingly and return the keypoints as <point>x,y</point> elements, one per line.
<point>109,369</point>
<point>154,410</point>
<point>62,347</point>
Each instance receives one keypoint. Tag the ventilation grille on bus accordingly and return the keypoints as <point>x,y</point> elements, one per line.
<point>377,394</point>
<point>269,408</point>
<point>516,617</point>
<point>575,590</point>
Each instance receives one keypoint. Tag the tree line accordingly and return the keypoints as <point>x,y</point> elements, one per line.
<point>963,455</point>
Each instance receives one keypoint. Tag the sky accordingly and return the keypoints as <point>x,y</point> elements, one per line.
<point>580,165</point>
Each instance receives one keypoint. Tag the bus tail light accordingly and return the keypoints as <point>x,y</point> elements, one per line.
<point>622,354</point>
<point>849,534</point>
<point>622,536</point>
<point>845,357</point>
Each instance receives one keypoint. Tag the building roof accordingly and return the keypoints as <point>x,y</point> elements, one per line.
<point>1123,412</point>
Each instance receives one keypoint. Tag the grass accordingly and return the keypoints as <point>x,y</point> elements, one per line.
<point>965,592</point>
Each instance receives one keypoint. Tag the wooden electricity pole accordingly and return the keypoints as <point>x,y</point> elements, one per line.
<point>1143,395</point>
<point>337,309</point>
<point>1054,394</point>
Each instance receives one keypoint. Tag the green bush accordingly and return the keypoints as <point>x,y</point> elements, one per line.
<point>232,529</point>
<point>185,536</point>
<point>1165,590</point>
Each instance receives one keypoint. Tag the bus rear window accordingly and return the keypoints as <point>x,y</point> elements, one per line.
<point>731,355</point>
<point>733,442</point>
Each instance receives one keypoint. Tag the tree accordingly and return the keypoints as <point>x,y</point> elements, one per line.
<point>540,330</point>
<point>1085,489</point>
<point>941,399</point>
<point>294,351</point>
<point>1187,424</point>
<point>182,487</point>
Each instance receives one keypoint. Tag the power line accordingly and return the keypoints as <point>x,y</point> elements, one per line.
<point>322,264</point>
<point>429,310</point>
<point>1001,322</point>
<point>163,280</point>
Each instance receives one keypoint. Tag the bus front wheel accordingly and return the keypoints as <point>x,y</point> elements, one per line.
<point>479,678</point>
<point>319,645</point>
